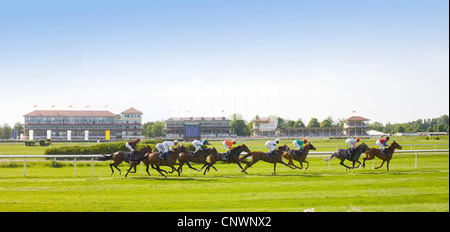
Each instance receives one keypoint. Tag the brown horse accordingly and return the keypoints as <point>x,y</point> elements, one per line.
<point>234,157</point>
<point>259,155</point>
<point>171,160</point>
<point>200,157</point>
<point>289,155</point>
<point>372,152</point>
<point>119,157</point>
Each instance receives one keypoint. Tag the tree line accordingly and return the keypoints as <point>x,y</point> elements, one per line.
<point>243,128</point>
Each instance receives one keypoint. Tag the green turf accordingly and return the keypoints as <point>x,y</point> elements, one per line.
<point>404,188</point>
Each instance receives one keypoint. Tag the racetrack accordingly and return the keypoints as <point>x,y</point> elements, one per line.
<point>404,188</point>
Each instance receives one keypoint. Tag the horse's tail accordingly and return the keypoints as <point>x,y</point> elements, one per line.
<point>331,157</point>
<point>105,158</point>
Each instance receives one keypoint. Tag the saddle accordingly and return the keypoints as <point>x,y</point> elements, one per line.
<point>133,157</point>
<point>296,152</point>
<point>127,155</point>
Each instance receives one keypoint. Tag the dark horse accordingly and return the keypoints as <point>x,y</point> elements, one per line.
<point>259,155</point>
<point>342,154</point>
<point>200,157</point>
<point>171,160</point>
<point>372,152</point>
<point>119,157</point>
<point>289,155</point>
<point>234,157</point>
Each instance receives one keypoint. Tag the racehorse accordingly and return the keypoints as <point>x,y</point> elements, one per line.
<point>259,155</point>
<point>372,152</point>
<point>234,157</point>
<point>119,157</point>
<point>342,154</point>
<point>200,157</point>
<point>289,155</point>
<point>171,160</point>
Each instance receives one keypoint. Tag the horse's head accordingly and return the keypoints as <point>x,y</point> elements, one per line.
<point>181,148</point>
<point>364,147</point>
<point>396,145</point>
<point>243,147</point>
<point>146,149</point>
<point>213,151</point>
<point>284,148</point>
<point>311,147</point>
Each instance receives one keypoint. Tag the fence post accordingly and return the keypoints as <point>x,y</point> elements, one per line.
<point>92,166</point>
<point>24,166</point>
<point>416,161</point>
<point>74,166</point>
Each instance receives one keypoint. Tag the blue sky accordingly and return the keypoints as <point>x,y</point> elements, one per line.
<point>388,60</point>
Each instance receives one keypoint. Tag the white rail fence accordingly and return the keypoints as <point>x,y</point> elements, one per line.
<point>316,154</point>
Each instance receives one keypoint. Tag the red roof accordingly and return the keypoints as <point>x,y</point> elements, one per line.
<point>132,111</point>
<point>70,113</point>
<point>356,118</point>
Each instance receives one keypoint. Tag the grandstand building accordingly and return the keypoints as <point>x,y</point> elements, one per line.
<point>191,128</point>
<point>82,124</point>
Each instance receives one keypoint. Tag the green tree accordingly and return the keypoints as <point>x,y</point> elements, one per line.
<point>299,123</point>
<point>158,129</point>
<point>6,131</point>
<point>313,123</point>
<point>378,126</point>
<point>328,122</point>
<point>240,128</point>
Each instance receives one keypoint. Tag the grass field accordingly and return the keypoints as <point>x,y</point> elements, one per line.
<point>404,188</point>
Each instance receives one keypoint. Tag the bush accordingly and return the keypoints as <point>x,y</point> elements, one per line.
<point>30,143</point>
<point>44,143</point>
<point>104,148</point>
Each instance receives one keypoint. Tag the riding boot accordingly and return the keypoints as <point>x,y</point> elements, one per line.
<point>161,155</point>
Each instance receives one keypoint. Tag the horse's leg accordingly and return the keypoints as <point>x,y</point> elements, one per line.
<point>358,163</point>
<point>131,166</point>
<point>180,168</point>
<point>381,164</point>
<point>189,165</point>
<point>204,166</point>
<point>274,168</point>
<point>292,163</point>
<point>387,165</point>
<point>242,170</point>
<point>307,164</point>
<point>134,169</point>
<point>249,164</point>
<point>147,169</point>
<point>342,163</point>
<point>159,170</point>
<point>286,164</point>
<point>207,169</point>
<point>368,157</point>
<point>111,166</point>
<point>120,171</point>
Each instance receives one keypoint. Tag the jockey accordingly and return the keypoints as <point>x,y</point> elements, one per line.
<point>272,145</point>
<point>165,147</point>
<point>352,144</point>
<point>132,145</point>
<point>299,145</point>
<point>383,144</point>
<point>198,145</point>
<point>228,145</point>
